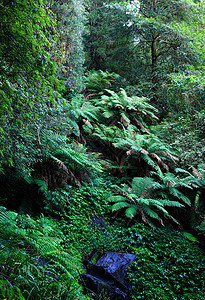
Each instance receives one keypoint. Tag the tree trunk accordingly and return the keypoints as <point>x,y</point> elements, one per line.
<point>154,69</point>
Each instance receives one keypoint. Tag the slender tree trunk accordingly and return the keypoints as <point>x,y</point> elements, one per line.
<point>154,69</point>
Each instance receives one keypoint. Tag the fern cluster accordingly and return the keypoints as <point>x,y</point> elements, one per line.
<point>117,125</point>
<point>96,81</point>
<point>34,261</point>
<point>64,161</point>
<point>152,199</point>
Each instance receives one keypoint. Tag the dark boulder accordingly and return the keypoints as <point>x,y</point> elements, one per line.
<point>107,276</point>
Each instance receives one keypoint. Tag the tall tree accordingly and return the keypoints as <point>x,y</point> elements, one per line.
<point>142,40</point>
<point>94,35</point>
<point>101,36</point>
<point>68,51</point>
<point>157,27</point>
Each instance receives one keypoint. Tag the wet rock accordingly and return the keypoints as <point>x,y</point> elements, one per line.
<point>107,276</point>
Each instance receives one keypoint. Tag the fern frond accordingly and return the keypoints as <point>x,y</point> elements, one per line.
<point>180,170</point>
<point>119,205</point>
<point>143,186</point>
<point>41,184</point>
<point>179,195</point>
<point>150,162</point>
<point>150,212</point>
<point>190,237</point>
<point>171,203</point>
<point>116,198</point>
<point>108,113</point>
<point>125,118</point>
<point>7,216</point>
<point>131,211</point>
<point>149,202</point>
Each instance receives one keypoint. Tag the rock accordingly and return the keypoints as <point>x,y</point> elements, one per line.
<point>107,275</point>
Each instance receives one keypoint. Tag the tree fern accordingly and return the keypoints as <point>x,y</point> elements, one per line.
<point>97,81</point>
<point>150,198</point>
<point>83,108</point>
<point>65,161</point>
<point>121,124</point>
<point>149,149</point>
<point>144,186</point>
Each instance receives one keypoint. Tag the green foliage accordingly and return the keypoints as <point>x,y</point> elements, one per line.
<point>88,199</point>
<point>97,38</point>
<point>29,84</point>
<point>190,237</point>
<point>97,81</point>
<point>26,69</point>
<point>25,142</point>
<point>67,162</point>
<point>145,41</point>
<point>150,198</point>
<point>156,153</point>
<point>149,43</point>
<point>34,262</point>
<point>185,132</point>
<point>167,266</point>
<point>7,291</point>
<point>77,209</point>
<point>185,91</point>
<point>83,109</point>
<point>120,125</point>
<point>127,106</point>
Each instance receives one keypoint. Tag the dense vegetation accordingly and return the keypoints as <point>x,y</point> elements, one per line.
<point>102,116</point>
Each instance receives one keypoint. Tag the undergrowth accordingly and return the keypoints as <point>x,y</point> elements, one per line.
<point>186,134</point>
<point>41,258</point>
<point>35,264</point>
<point>167,265</point>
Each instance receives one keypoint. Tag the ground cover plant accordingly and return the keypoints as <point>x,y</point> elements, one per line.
<point>168,265</point>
